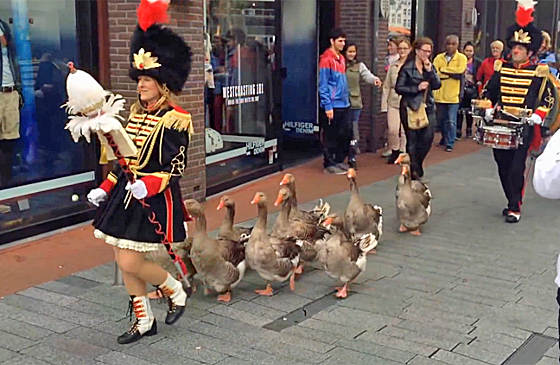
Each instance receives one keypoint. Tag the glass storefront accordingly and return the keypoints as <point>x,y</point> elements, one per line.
<point>241,38</point>
<point>44,174</point>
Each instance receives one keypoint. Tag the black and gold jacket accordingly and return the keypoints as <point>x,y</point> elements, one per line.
<point>162,139</point>
<point>517,88</point>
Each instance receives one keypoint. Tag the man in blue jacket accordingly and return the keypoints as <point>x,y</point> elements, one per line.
<point>335,102</point>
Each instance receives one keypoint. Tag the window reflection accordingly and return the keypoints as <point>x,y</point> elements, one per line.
<point>240,39</point>
<point>37,155</point>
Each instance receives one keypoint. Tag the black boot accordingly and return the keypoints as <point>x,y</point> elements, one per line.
<point>394,155</point>
<point>145,324</point>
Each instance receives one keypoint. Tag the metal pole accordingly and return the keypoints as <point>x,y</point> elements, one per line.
<point>118,276</point>
<point>374,49</point>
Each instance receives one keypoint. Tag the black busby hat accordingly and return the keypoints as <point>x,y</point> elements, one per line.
<point>524,32</point>
<point>157,51</point>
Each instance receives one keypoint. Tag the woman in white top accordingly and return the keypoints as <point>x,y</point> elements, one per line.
<point>390,104</point>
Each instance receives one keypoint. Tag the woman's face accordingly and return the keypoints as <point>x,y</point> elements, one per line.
<point>392,48</point>
<point>351,53</point>
<point>404,50</point>
<point>148,89</point>
<point>469,52</point>
<point>424,52</point>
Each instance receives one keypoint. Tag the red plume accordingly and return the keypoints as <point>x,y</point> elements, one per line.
<point>152,12</point>
<point>524,16</point>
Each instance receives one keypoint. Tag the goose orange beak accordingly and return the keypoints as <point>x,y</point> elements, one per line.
<point>351,173</point>
<point>327,221</point>
<point>279,200</point>
<point>285,180</point>
<point>398,160</point>
<point>256,199</point>
<point>221,205</point>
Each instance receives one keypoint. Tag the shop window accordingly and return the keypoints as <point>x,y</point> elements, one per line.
<point>399,15</point>
<point>37,155</point>
<point>240,43</point>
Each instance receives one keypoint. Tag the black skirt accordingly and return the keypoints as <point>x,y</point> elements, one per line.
<point>123,222</point>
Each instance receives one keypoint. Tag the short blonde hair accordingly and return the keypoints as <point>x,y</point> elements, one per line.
<point>497,43</point>
<point>547,40</point>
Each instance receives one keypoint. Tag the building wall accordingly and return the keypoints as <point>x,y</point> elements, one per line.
<point>186,18</point>
<point>356,18</point>
<point>453,16</point>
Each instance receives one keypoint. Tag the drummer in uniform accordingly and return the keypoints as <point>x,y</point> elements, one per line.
<point>519,86</point>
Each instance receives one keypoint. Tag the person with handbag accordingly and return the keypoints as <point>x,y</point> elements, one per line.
<point>415,82</point>
<point>470,92</point>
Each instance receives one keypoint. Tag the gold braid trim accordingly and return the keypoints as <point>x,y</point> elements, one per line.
<point>179,121</point>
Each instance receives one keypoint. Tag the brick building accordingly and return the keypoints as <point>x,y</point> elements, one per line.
<point>252,91</point>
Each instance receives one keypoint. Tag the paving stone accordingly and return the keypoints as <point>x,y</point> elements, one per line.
<point>435,322</point>
<point>335,329</point>
<point>473,298</point>
<point>383,352</point>
<point>78,282</point>
<point>75,346</point>
<point>36,319</point>
<point>492,357</point>
<point>97,338</point>
<point>312,334</point>
<point>391,307</point>
<point>553,352</point>
<point>430,337</point>
<point>119,358</point>
<point>487,291</point>
<point>355,318</point>
<point>56,356</point>
<point>6,355</point>
<point>490,335</point>
<point>234,361</point>
<point>289,351</point>
<point>239,315</point>
<point>13,342</point>
<point>25,360</point>
<point>156,356</point>
<point>62,288</point>
<point>103,274</point>
<point>283,301</point>
<point>344,356</point>
<point>259,310</point>
<point>548,361</point>
<point>397,343</point>
<point>53,310</point>
<point>47,296</point>
<point>456,359</point>
<point>22,329</point>
<point>421,360</point>
<point>195,352</point>
<point>114,297</point>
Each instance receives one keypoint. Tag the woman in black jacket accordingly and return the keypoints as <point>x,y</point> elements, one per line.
<point>470,91</point>
<point>417,77</point>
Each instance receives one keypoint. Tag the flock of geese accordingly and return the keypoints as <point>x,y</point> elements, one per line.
<point>338,243</point>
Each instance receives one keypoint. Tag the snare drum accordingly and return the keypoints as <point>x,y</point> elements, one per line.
<point>498,137</point>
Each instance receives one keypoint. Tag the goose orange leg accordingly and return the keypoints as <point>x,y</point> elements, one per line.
<point>342,292</point>
<point>299,270</point>
<point>268,291</point>
<point>402,229</point>
<point>416,232</point>
<point>293,280</point>
<point>225,297</point>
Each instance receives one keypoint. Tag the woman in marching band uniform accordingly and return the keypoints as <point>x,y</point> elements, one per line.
<point>161,63</point>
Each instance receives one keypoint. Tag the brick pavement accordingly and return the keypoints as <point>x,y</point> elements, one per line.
<point>470,290</point>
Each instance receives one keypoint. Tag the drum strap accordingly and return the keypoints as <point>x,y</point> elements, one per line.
<point>541,92</point>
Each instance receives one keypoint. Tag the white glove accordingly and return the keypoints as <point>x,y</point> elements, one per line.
<point>97,196</point>
<point>138,188</point>
<point>534,119</point>
<point>489,114</point>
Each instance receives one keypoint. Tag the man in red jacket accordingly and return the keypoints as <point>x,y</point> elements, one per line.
<point>486,69</point>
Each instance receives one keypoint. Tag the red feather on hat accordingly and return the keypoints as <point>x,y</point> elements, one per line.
<point>524,16</point>
<point>151,12</point>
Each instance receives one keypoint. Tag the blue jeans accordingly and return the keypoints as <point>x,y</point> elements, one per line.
<point>447,121</point>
